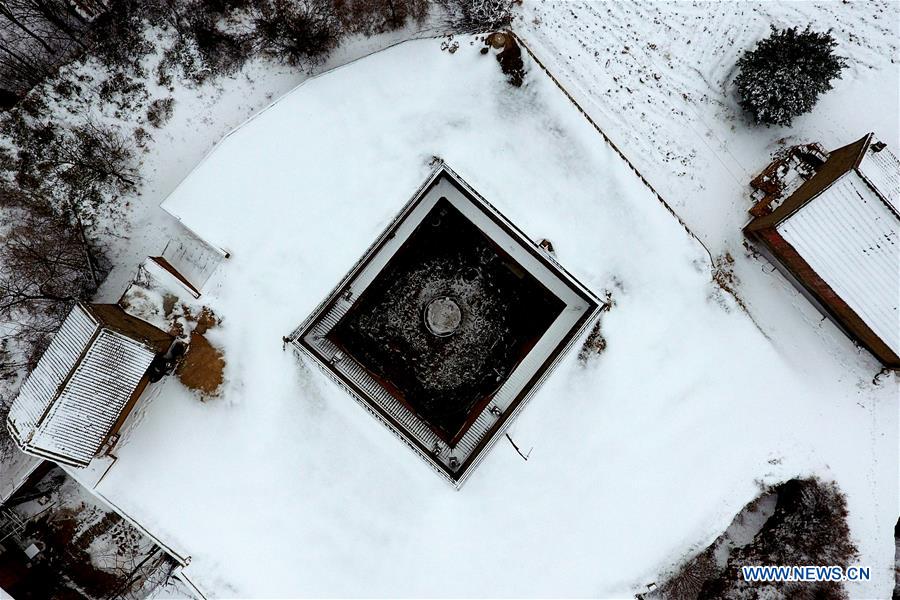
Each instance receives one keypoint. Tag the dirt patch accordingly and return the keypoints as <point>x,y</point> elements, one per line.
<point>724,277</point>
<point>723,273</point>
<point>206,320</point>
<point>169,301</point>
<point>202,367</point>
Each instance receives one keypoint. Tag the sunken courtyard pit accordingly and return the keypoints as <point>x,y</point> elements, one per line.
<point>447,324</point>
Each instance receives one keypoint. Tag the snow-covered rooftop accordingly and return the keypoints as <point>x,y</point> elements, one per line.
<point>880,167</point>
<point>851,239</point>
<point>282,486</point>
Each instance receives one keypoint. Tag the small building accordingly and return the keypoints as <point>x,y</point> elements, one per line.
<point>86,383</point>
<point>836,236</point>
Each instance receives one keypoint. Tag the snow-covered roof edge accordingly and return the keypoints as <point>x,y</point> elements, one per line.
<point>855,157</point>
<point>842,167</point>
<point>849,237</point>
<point>42,385</point>
<point>880,169</point>
<point>212,243</point>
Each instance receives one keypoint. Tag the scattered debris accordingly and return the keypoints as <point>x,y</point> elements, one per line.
<point>724,278</point>
<point>450,45</point>
<point>789,169</point>
<point>595,343</point>
<point>723,273</point>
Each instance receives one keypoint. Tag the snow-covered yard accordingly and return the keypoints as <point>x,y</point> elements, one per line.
<point>658,77</point>
<point>284,486</point>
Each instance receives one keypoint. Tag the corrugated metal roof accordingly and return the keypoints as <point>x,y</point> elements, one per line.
<point>42,385</point>
<point>78,390</point>
<point>882,170</point>
<point>93,399</point>
<point>851,238</point>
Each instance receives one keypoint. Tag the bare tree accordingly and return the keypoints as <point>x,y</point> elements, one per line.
<point>48,264</point>
<point>375,16</point>
<point>92,157</point>
<point>297,32</point>
<point>80,170</point>
<point>23,62</point>
<point>46,20</point>
<point>10,15</point>
<point>60,14</point>
<point>478,15</point>
<point>36,37</point>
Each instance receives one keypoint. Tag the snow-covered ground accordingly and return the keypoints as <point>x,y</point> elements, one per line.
<point>658,77</point>
<point>16,469</point>
<point>283,486</point>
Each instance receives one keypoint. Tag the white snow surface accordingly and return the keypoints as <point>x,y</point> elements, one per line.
<point>283,486</point>
<point>851,239</point>
<point>659,78</point>
<point>882,170</point>
<point>43,384</point>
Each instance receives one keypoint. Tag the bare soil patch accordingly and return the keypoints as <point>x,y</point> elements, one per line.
<point>202,367</point>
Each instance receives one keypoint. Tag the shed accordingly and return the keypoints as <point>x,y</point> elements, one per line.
<point>85,383</point>
<point>837,238</point>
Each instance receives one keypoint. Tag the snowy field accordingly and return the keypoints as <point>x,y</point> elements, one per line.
<point>658,78</point>
<point>284,486</point>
